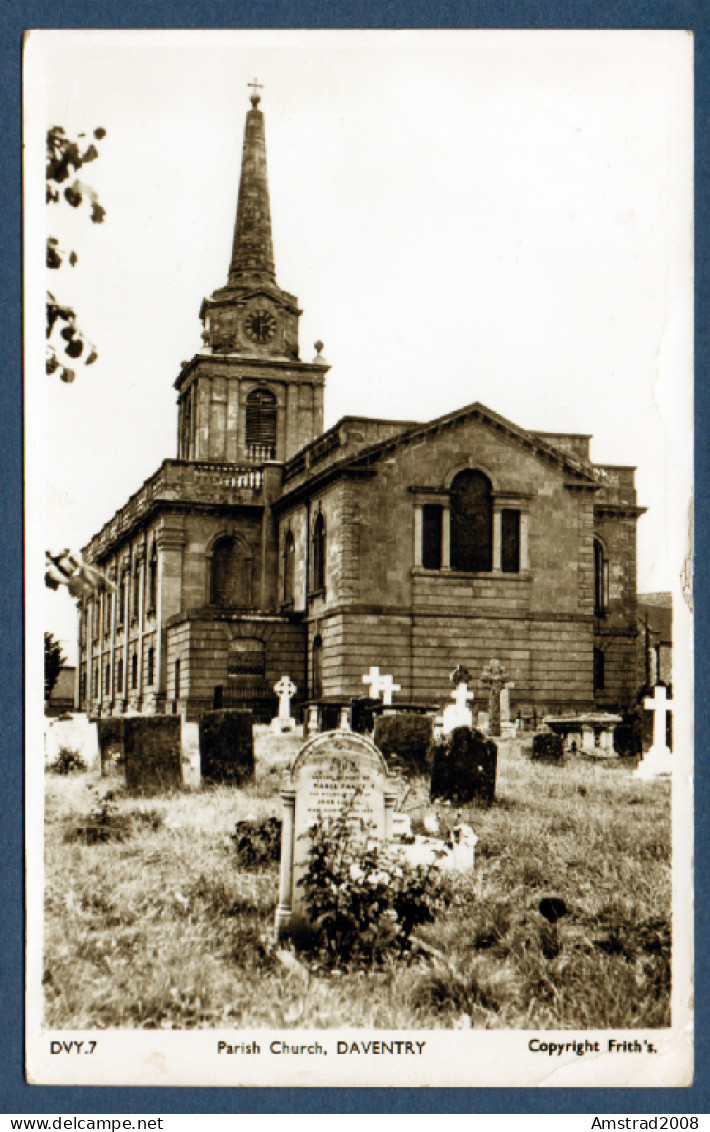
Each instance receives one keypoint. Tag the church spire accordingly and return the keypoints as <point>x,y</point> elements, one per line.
<point>252,250</point>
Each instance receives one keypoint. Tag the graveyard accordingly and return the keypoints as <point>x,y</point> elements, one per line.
<point>545,902</point>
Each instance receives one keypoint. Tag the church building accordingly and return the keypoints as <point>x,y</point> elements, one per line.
<point>270,547</point>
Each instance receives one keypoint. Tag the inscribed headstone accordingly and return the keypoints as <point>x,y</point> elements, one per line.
<point>336,773</point>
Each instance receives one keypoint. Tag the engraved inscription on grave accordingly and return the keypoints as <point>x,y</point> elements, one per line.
<point>336,773</point>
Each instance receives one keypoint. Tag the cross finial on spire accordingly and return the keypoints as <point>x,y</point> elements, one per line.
<point>255,96</point>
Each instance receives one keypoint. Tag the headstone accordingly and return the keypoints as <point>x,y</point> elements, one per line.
<point>227,747</point>
<point>151,748</point>
<point>77,733</point>
<point>285,689</point>
<point>381,685</point>
<point>493,678</point>
<point>458,714</point>
<point>336,773</point>
<point>345,719</point>
<point>657,762</point>
<point>463,768</point>
<point>312,725</point>
<point>190,754</point>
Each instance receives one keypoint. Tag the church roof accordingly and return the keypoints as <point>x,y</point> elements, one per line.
<point>582,472</point>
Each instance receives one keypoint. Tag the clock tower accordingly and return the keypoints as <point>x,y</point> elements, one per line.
<point>247,397</point>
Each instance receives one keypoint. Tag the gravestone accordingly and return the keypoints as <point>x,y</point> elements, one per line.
<point>285,689</point>
<point>458,714</point>
<point>190,754</point>
<point>111,748</point>
<point>657,762</point>
<point>381,685</point>
<point>336,773</point>
<point>151,749</point>
<point>493,678</point>
<point>463,768</point>
<point>227,747</point>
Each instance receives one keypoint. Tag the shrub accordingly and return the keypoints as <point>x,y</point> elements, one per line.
<point>105,822</point>
<point>363,904</point>
<point>404,741</point>
<point>257,843</point>
<point>627,739</point>
<point>226,747</point>
<point>548,747</point>
<point>463,767</point>
<point>68,761</point>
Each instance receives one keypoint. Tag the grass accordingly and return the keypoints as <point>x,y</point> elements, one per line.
<point>162,929</point>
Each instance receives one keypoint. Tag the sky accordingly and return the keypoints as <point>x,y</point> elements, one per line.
<point>502,217</point>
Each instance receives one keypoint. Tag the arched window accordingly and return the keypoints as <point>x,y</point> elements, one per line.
<point>261,425</point>
<point>289,556</point>
<point>317,668</point>
<point>232,574</point>
<point>152,577</point>
<point>318,557</point>
<point>601,580</point>
<point>471,523</point>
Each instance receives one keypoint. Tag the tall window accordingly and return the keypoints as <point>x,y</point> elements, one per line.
<point>177,679</point>
<point>135,590</point>
<point>319,548</point>
<point>601,580</point>
<point>107,680</point>
<point>598,670</point>
<point>471,522</point>
<point>510,541</point>
<point>151,662</point>
<point>289,556</point>
<point>122,597</point>
<point>134,671</point>
<point>232,574</point>
<point>317,667</point>
<point>119,677</point>
<point>152,577</point>
<point>431,535</point>
<point>82,685</point>
<point>94,681</point>
<point>261,425</point>
<point>107,614</point>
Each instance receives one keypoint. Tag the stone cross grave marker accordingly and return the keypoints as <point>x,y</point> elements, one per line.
<point>493,677</point>
<point>285,689</point>
<point>381,685</point>
<point>458,714</point>
<point>658,760</point>
<point>336,773</point>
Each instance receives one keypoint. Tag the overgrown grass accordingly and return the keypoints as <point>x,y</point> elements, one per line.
<point>163,928</point>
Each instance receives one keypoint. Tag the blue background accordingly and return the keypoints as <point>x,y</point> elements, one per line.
<point>15,17</point>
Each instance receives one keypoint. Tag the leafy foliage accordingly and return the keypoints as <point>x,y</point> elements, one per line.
<point>68,761</point>
<point>463,767</point>
<point>257,843</point>
<point>548,746</point>
<point>66,156</point>
<point>363,904</point>
<point>404,740</point>
<point>53,660</point>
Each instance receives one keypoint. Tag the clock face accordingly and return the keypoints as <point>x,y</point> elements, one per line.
<point>260,326</point>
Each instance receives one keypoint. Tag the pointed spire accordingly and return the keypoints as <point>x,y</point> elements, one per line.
<point>252,250</point>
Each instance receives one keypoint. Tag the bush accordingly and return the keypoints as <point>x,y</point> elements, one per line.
<point>226,747</point>
<point>463,767</point>
<point>363,904</point>
<point>68,761</point>
<point>548,747</point>
<point>257,843</point>
<point>104,822</point>
<point>627,739</point>
<point>404,741</point>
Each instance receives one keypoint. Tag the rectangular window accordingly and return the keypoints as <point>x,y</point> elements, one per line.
<point>177,679</point>
<point>510,541</point>
<point>598,670</point>
<point>431,536</point>
<point>149,674</point>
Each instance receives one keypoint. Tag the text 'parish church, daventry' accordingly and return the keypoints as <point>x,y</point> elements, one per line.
<point>268,546</point>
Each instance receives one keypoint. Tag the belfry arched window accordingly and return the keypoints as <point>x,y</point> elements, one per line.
<point>260,430</point>
<point>231,582</point>
<point>471,522</point>
<point>601,580</point>
<point>289,567</point>
<point>318,553</point>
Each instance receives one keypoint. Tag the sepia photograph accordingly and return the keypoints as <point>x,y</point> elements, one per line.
<point>359,450</point>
